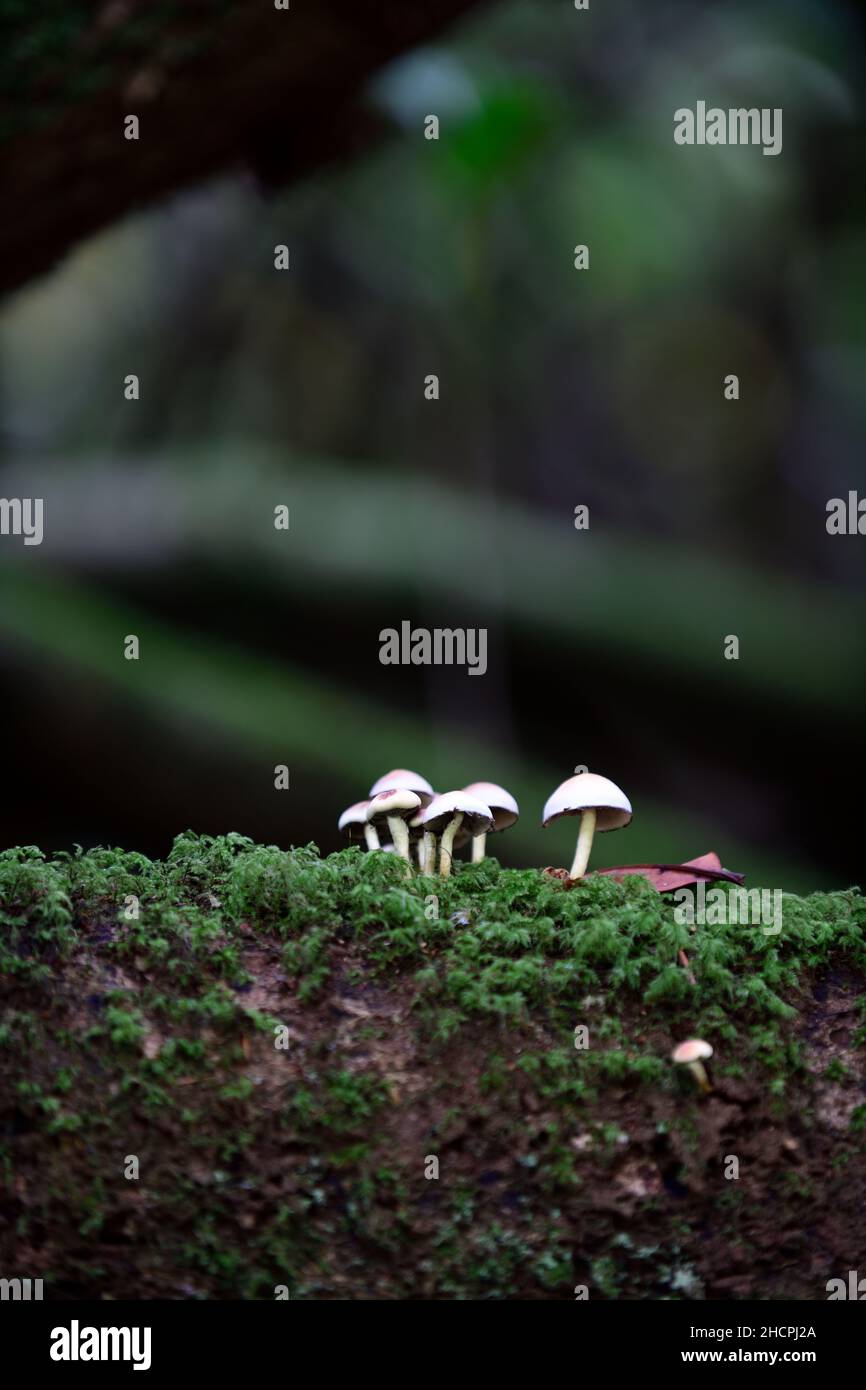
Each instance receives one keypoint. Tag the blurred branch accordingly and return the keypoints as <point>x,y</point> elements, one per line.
<point>221,692</point>
<point>214,85</point>
<point>407,535</point>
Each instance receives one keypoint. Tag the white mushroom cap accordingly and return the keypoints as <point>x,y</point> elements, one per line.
<point>502,804</point>
<point>589,792</point>
<point>477,817</point>
<point>694,1050</point>
<point>399,802</point>
<point>400,778</point>
<point>353,819</point>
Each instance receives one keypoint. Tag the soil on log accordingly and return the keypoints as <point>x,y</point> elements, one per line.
<point>245,1069</point>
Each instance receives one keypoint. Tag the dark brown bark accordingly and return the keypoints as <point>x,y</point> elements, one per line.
<point>218,86</point>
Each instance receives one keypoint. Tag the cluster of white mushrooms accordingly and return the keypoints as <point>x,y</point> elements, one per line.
<point>414,815</point>
<point>405,803</point>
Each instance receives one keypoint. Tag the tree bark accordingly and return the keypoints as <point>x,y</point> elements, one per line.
<point>215,86</point>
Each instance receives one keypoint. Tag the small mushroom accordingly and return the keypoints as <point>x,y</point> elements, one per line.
<point>503,807</point>
<point>403,778</point>
<point>599,803</point>
<point>449,813</point>
<point>395,808</point>
<point>693,1054</point>
<point>353,822</point>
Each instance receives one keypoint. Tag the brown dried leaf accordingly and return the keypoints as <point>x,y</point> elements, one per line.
<point>664,877</point>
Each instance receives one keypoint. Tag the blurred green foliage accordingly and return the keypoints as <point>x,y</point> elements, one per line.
<point>558,387</point>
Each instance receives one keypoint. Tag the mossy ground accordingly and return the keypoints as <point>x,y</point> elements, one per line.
<point>425,1019</point>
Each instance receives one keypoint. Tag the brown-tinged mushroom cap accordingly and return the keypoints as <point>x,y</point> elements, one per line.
<point>503,807</point>
<point>477,817</point>
<point>401,778</point>
<point>399,802</point>
<point>589,792</point>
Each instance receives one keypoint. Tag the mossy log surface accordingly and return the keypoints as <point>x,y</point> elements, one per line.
<point>288,1045</point>
<point>216,85</point>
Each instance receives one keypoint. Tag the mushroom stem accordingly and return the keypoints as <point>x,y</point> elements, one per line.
<point>446,844</point>
<point>684,962</point>
<point>699,1072</point>
<point>584,844</point>
<point>479,847</point>
<point>371,836</point>
<point>428,862</point>
<point>400,837</point>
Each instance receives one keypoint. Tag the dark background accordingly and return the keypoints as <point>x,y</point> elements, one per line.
<point>558,387</point>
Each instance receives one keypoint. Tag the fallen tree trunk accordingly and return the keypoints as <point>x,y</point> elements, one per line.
<point>250,1073</point>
